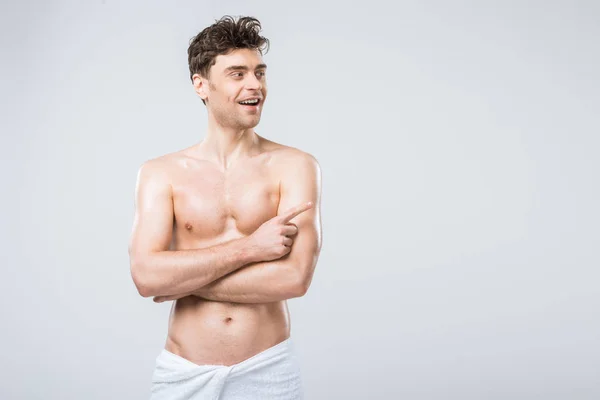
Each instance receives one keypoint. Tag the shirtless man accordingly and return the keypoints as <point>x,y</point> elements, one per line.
<point>229,228</point>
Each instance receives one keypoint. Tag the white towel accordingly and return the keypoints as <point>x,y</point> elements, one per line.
<point>272,374</point>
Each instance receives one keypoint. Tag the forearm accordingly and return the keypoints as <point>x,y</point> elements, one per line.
<point>180,272</point>
<point>262,282</point>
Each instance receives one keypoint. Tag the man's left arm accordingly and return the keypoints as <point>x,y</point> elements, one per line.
<point>289,276</point>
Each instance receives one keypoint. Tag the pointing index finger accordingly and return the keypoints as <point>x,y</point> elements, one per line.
<point>291,213</point>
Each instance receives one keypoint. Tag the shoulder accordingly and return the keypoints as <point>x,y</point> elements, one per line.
<point>292,164</point>
<point>158,170</point>
<point>291,157</point>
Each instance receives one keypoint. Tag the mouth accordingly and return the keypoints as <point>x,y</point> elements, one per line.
<point>250,104</point>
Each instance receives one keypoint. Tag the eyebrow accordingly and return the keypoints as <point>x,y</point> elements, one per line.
<point>243,67</point>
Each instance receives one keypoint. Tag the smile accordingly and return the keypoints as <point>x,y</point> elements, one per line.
<point>250,103</point>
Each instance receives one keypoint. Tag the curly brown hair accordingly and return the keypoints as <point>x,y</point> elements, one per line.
<point>225,35</point>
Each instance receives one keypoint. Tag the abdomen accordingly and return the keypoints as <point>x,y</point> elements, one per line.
<point>210,332</point>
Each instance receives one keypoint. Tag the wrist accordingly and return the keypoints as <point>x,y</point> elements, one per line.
<point>249,253</point>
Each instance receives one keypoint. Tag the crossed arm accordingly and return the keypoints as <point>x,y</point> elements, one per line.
<point>262,282</point>
<point>283,278</point>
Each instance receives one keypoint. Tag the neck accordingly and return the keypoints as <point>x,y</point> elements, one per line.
<point>225,144</point>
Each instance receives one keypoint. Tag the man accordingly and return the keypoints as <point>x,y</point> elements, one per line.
<point>229,228</point>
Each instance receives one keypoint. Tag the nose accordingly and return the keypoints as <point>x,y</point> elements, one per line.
<point>253,83</point>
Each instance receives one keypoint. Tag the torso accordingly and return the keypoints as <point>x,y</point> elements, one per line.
<point>212,206</point>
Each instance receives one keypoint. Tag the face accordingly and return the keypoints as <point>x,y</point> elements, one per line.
<point>235,77</point>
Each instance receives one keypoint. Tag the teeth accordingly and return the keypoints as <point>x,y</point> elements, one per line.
<point>249,101</point>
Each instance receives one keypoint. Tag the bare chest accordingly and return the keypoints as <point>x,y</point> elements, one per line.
<point>210,204</point>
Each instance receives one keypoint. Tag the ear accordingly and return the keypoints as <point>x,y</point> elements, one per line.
<point>200,84</point>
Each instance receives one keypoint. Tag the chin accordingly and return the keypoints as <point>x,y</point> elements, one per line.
<point>249,124</point>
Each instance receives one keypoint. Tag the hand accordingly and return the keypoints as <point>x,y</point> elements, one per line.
<point>271,240</point>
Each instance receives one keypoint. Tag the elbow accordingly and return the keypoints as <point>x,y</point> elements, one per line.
<point>299,291</point>
<point>305,274</point>
<point>141,279</point>
<point>144,290</point>
<point>142,283</point>
<point>301,286</point>
<point>304,271</point>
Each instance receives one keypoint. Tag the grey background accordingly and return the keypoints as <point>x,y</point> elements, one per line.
<point>459,148</point>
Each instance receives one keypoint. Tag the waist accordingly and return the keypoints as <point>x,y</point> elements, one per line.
<point>219,332</point>
<point>192,308</point>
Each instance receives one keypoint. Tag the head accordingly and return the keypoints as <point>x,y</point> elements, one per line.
<point>226,67</point>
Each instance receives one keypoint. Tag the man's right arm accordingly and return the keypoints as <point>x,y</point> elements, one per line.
<point>158,271</point>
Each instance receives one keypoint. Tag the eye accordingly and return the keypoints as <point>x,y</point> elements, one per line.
<point>237,74</point>
<point>261,73</point>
